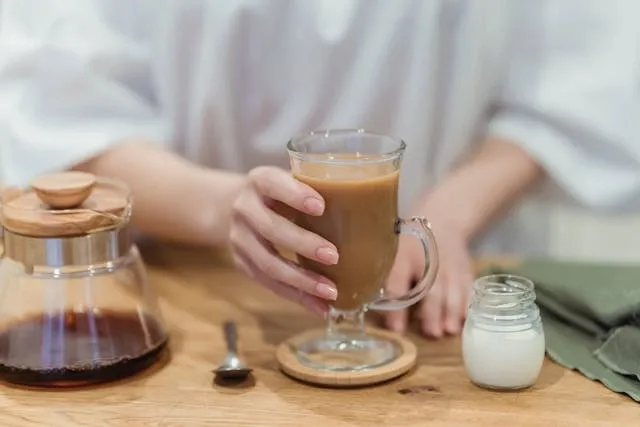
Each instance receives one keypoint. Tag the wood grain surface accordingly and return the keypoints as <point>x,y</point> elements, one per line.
<point>200,290</point>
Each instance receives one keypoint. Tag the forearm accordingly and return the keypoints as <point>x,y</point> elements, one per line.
<point>483,187</point>
<point>173,199</point>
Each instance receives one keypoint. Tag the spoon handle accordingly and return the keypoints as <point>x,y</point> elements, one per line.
<point>231,336</point>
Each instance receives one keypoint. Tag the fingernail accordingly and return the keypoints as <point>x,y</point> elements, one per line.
<point>453,328</point>
<point>314,206</point>
<point>436,334</point>
<point>326,291</point>
<point>328,255</point>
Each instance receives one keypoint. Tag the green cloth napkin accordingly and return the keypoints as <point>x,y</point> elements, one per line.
<point>590,314</point>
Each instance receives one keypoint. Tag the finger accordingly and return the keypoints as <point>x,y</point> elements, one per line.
<point>282,232</point>
<point>272,265</point>
<point>398,284</point>
<point>310,302</point>
<point>467,294</point>
<point>456,306</point>
<point>277,184</point>
<point>431,312</point>
<point>453,309</point>
<point>243,265</point>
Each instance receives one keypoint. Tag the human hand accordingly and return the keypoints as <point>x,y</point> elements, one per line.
<point>259,224</point>
<point>444,307</point>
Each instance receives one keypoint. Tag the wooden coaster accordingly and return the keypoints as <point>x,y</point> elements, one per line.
<point>290,365</point>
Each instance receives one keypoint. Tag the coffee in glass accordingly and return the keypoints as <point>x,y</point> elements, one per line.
<point>357,173</point>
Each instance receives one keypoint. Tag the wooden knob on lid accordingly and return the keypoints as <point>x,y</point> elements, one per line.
<point>66,204</point>
<point>64,190</point>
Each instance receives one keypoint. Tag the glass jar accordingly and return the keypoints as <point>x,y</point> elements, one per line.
<point>76,307</point>
<point>503,344</point>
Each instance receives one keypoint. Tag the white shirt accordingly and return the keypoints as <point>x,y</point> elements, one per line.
<point>226,82</point>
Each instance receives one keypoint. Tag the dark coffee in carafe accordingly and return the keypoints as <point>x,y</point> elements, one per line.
<point>60,349</point>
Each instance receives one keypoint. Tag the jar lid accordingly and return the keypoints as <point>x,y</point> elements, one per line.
<point>66,204</point>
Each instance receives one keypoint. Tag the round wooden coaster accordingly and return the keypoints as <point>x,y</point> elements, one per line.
<point>290,365</point>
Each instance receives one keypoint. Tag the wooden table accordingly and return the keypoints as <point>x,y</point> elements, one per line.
<point>198,291</point>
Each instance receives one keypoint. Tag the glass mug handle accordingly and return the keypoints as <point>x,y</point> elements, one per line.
<point>420,228</point>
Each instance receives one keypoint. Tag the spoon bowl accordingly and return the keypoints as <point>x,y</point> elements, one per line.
<point>232,368</point>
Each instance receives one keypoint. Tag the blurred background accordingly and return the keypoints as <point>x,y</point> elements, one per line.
<point>576,233</point>
<point>586,236</point>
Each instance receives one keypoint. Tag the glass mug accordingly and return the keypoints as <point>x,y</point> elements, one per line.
<point>357,173</point>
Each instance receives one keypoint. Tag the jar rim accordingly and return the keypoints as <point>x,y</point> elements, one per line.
<point>513,283</point>
<point>504,290</point>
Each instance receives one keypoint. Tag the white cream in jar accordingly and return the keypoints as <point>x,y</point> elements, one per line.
<point>503,343</point>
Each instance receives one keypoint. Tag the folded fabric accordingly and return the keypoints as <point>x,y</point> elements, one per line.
<point>590,315</point>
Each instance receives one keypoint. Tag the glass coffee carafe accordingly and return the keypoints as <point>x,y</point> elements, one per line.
<point>75,304</point>
<point>357,173</point>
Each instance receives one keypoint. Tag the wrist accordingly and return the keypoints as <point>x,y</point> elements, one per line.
<point>216,204</point>
<point>482,189</point>
<point>443,211</point>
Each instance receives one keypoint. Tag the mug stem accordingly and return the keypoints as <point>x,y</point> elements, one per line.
<point>345,324</point>
<point>345,345</point>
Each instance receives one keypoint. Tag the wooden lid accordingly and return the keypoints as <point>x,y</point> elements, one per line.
<point>65,204</point>
<point>64,190</point>
<point>290,363</point>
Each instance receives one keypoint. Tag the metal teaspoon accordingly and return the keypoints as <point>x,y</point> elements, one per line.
<point>232,367</point>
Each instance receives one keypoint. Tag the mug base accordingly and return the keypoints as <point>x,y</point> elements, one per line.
<point>346,352</point>
<point>348,360</point>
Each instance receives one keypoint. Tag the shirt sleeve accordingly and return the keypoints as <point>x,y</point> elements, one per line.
<point>74,80</point>
<point>571,97</point>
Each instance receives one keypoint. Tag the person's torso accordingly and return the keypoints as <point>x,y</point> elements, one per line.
<point>237,78</point>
